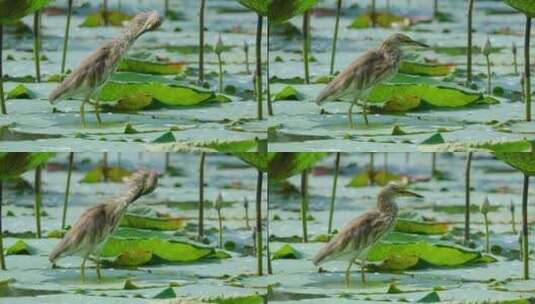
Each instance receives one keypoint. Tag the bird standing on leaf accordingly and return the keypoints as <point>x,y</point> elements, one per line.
<point>356,237</point>
<point>89,77</point>
<point>371,68</point>
<point>89,234</point>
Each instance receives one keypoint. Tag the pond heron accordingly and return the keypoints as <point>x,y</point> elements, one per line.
<point>90,76</point>
<point>368,70</point>
<point>357,236</point>
<point>89,234</point>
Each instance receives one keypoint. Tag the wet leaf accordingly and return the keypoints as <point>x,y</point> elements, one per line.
<point>154,223</point>
<point>420,227</point>
<point>524,162</point>
<point>287,252</point>
<point>14,164</point>
<point>527,7</point>
<point>284,165</point>
<point>288,93</point>
<point>97,19</point>
<point>20,92</point>
<point>114,174</point>
<point>20,247</point>
<point>402,104</point>
<point>150,67</point>
<point>133,258</point>
<point>426,69</point>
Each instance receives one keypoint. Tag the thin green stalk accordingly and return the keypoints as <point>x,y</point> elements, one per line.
<point>469,44</point>
<point>371,169</point>
<point>333,193</point>
<point>105,12</point>
<point>258,234</point>
<point>306,45</point>
<point>167,161</point>
<point>527,71</point>
<point>220,221</point>
<point>105,168</point>
<point>489,76</point>
<point>268,87</point>
<point>38,200</point>
<point>435,9</point>
<point>304,204</point>
<point>66,39</point>
<point>37,45</point>
<point>67,190</point>
<point>259,26</point>
<point>166,7</point>
<point>335,37</point>
<point>200,233</point>
<point>525,236</point>
<point>513,221</point>
<point>2,100</point>
<point>246,51</point>
<point>374,14</point>
<point>515,61</point>
<point>220,64</point>
<point>467,197</point>
<point>246,216</point>
<point>487,237</point>
<point>2,258</point>
<point>201,41</point>
<point>268,251</point>
<point>433,164</point>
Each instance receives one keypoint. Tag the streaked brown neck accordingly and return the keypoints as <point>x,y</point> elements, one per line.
<point>392,50</point>
<point>386,202</point>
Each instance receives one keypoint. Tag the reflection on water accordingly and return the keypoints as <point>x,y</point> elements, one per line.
<point>7,134</point>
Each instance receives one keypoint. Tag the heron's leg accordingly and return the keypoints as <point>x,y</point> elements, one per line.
<point>97,111</point>
<point>363,271</point>
<point>365,111</point>
<point>348,272</point>
<point>97,263</point>
<point>350,116</point>
<point>82,112</point>
<point>82,269</point>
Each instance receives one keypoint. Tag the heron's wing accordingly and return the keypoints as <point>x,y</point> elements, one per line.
<point>87,231</point>
<point>360,75</point>
<point>355,236</point>
<point>91,72</point>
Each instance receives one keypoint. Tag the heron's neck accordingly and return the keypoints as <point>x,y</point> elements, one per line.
<point>386,203</point>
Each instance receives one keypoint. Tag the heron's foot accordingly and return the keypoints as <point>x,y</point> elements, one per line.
<point>363,273</point>
<point>350,117</point>
<point>82,114</point>
<point>97,112</point>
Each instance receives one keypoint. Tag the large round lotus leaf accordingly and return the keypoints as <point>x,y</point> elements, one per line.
<point>14,164</point>
<point>525,6</point>
<point>283,10</point>
<point>12,10</point>
<point>258,160</point>
<point>259,6</point>
<point>524,162</point>
<point>284,165</point>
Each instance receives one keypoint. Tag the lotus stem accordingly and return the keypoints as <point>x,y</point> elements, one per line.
<point>513,221</point>
<point>304,204</point>
<point>371,169</point>
<point>268,250</point>
<point>469,44</point>
<point>487,238</point>
<point>268,87</point>
<point>433,164</point>
<point>167,161</point>
<point>200,233</point>
<point>166,7</point>
<point>335,37</point>
<point>525,241</point>
<point>246,51</point>
<point>515,61</point>
<point>105,169</point>
<point>374,14</point>
<point>385,164</point>
<point>306,44</point>
<point>37,45</point>
<point>67,190</point>
<point>220,64</point>
<point>2,100</point>
<point>246,216</point>
<point>527,71</point>
<point>66,39</point>
<point>489,76</point>
<point>467,197</point>
<point>105,12</point>
<point>435,8</point>
<point>220,221</point>
<point>259,26</point>
<point>333,193</point>
<point>2,258</point>
<point>258,234</point>
<point>201,41</point>
<point>38,200</point>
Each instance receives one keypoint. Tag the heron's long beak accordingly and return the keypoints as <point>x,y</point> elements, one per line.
<point>409,193</point>
<point>418,43</point>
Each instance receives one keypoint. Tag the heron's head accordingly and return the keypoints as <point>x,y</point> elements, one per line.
<point>400,40</point>
<point>145,21</point>
<point>398,189</point>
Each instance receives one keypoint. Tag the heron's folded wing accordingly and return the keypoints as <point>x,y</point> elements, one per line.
<point>355,235</point>
<point>354,77</point>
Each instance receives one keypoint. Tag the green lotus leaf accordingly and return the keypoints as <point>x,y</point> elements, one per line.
<point>97,19</point>
<point>527,7</point>
<point>426,69</point>
<point>13,164</point>
<point>421,227</point>
<point>13,10</point>
<point>150,67</point>
<point>283,10</point>
<point>259,6</point>
<point>154,223</point>
<point>287,252</point>
<point>524,162</point>
<point>114,174</point>
<point>284,165</point>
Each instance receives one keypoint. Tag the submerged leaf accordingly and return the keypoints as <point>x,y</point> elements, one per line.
<point>114,174</point>
<point>19,248</point>
<point>287,252</point>
<point>20,92</point>
<point>150,67</point>
<point>426,69</point>
<point>155,223</point>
